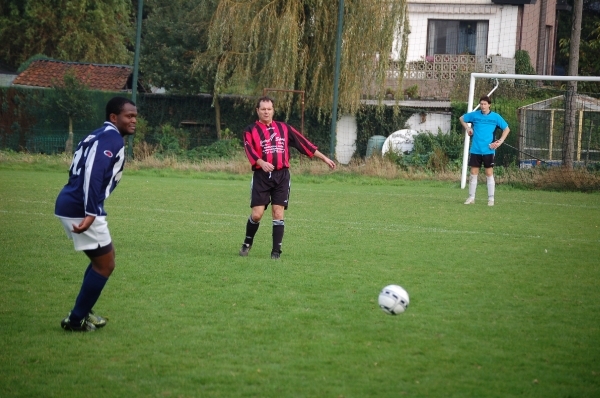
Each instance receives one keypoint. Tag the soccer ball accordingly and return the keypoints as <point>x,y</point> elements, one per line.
<point>393,300</point>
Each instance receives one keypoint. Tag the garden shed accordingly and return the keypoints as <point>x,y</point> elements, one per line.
<point>542,128</point>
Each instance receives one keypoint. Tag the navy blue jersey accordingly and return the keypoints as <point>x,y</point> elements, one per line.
<point>95,171</point>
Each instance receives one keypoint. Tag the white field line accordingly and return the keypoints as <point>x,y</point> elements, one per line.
<point>401,194</point>
<point>309,223</point>
<point>446,198</point>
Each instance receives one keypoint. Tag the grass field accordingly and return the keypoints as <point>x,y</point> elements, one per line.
<point>504,300</point>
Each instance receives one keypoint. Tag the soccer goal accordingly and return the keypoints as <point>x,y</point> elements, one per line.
<point>551,125</point>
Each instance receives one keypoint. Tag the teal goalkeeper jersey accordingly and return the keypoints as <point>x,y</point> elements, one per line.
<point>484,127</point>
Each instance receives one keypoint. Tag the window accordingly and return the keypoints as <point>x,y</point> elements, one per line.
<point>457,37</point>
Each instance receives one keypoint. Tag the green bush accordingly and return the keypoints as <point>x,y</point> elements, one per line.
<point>412,92</point>
<point>175,142</point>
<point>451,144</point>
<point>170,140</point>
<point>29,60</point>
<point>142,130</point>
<point>523,63</point>
<point>437,152</point>
<point>216,150</point>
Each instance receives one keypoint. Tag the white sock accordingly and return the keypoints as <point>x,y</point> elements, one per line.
<point>472,185</point>
<point>491,185</point>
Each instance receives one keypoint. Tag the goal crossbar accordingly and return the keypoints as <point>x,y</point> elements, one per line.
<point>474,76</point>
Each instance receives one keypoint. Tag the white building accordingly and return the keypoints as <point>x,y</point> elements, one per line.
<point>474,27</point>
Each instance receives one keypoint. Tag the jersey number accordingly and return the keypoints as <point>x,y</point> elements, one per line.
<point>75,162</point>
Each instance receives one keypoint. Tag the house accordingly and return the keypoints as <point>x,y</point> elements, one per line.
<point>452,36</point>
<point>7,75</point>
<point>43,73</point>
<point>537,24</point>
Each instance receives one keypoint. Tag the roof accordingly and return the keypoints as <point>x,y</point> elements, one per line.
<point>583,103</point>
<point>43,72</point>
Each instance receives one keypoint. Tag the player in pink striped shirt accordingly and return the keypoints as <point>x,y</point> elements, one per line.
<point>267,144</point>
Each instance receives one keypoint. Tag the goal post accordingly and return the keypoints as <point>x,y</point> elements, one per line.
<point>542,152</point>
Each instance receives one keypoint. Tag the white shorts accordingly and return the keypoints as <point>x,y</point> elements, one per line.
<point>96,236</point>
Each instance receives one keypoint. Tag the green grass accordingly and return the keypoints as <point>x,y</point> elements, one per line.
<point>504,300</point>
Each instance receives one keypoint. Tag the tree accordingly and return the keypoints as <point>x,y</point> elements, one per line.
<point>70,30</point>
<point>30,60</point>
<point>290,44</point>
<point>175,32</point>
<point>589,62</point>
<point>570,97</point>
<point>71,97</point>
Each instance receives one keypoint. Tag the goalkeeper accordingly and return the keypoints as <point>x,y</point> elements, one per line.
<point>483,146</point>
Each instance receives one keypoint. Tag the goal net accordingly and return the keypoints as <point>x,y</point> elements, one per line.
<point>555,127</point>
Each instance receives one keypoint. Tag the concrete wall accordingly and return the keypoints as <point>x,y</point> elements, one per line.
<point>430,122</point>
<point>6,80</point>
<point>345,144</point>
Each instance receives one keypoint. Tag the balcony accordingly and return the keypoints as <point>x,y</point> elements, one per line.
<point>435,75</point>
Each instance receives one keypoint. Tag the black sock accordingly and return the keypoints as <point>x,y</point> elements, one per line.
<point>251,228</point>
<point>278,229</point>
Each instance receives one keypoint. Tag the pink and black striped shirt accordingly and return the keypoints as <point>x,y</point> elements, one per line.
<point>271,143</point>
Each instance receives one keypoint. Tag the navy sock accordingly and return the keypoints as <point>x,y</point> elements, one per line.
<point>92,286</point>
<point>89,267</point>
<point>87,270</point>
<point>278,229</point>
<point>251,228</point>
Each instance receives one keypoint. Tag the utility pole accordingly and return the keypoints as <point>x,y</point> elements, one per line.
<point>136,65</point>
<point>336,78</point>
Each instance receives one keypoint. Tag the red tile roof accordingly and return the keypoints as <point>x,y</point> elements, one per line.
<point>42,73</point>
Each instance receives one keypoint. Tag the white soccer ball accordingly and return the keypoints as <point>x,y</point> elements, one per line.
<point>393,300</point>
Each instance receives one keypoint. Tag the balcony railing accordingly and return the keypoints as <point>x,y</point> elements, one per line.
<point>435,76</point>
<point>446,66</point>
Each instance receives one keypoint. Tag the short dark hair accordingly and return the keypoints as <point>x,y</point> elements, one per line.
<point>486,99</point>
<point>264,99</point>
<point>115,105</point>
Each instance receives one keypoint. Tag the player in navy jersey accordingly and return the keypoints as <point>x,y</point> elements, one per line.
<point>95,171</point>
<point>483,147</point>
<point>267,145</point>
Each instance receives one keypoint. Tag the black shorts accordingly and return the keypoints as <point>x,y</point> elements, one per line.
<point>478,160</point>
<point>99,251</point>
<point>271,187</point>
